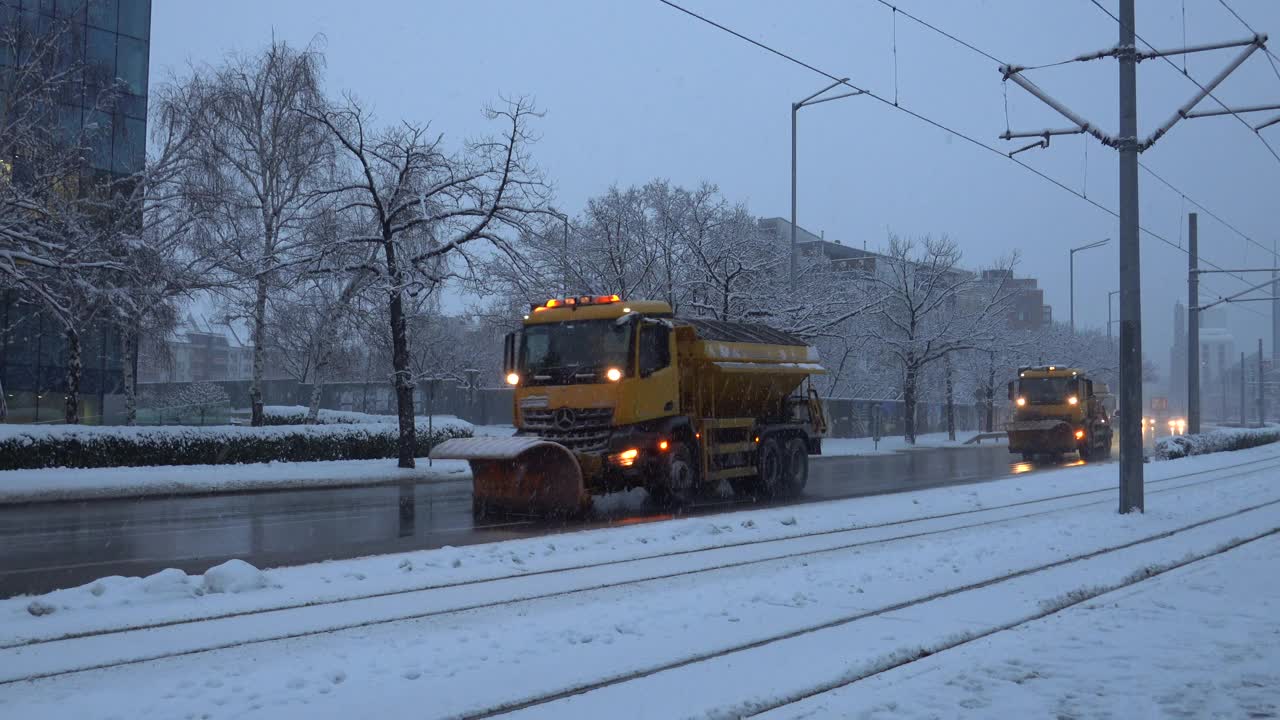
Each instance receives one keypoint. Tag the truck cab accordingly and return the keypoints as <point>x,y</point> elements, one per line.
<point>1057,410</point>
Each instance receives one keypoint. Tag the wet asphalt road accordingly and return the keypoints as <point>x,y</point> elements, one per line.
<point>51,545</point>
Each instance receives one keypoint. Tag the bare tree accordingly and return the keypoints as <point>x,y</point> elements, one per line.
<point>260,156</point>
<point>930,308</point>
<point>422,208</point>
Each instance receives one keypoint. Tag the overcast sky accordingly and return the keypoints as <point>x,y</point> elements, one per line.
<point>636,90</point>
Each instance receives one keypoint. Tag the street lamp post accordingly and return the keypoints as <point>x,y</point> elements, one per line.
<point>1110,295</point>
<point>795,109</point>
<point>1072,254</point>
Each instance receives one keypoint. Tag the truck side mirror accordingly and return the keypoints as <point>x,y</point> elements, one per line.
<point>1011,384</point>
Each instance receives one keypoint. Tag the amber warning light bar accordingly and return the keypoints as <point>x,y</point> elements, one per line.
<point>576,301</point>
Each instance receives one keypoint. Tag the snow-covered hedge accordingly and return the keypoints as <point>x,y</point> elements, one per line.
<point>42,446</point>
<point>297,415</point>
<point>1215,441</point>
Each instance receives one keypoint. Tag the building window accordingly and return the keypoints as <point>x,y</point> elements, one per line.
<point>135,18</point>
<point>103,13</point>
<point>131,64</point>
<point>130,145</point>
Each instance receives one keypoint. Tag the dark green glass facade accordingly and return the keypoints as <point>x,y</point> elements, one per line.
<point>112,39</point>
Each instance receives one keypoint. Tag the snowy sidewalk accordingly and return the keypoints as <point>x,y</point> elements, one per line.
<point>706,617</point>
<point>73,484</point>
<point>1202,641</point>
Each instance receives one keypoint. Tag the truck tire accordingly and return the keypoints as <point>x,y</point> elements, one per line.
<point>678,484</point>
<point>770,467</point>
<point>795,467</point>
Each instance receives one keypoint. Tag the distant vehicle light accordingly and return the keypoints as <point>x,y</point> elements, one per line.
<point>552,303</point>
<point>613,374</point>
<point>626,310</point>
<point>1079,434</point>
<point>513,378</point>
<point>627,457</point>
<point>1021,401</point>
<point>1073,400</point>
<point>663,445</point>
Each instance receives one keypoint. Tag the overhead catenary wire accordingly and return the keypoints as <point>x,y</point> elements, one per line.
<point>1202,88</point>
<point>998,61</point>
<point>1271,57</point>
<point>925,119</point>
<point>1084,187</point>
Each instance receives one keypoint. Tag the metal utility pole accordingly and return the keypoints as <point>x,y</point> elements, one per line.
<point>795,111</point>
<point>1110,322</point>
<point>1261,408</point>
<point>1275,312</point>
<point>1129,145</point>
<point>1072,256</point>
<point>1131,487</point>
<point>1244,406</point>
<point>1193,326</point>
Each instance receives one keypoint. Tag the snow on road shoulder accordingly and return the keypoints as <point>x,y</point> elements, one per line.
<point>82,610</point>
<point>1200,641</point>
<point>895,443</point>
<point>63,484</point>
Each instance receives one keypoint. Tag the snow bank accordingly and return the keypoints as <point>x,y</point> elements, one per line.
<point>67,484</point>
<point>166,586</point>
<point>845,447</point>
<point>1219,440</point>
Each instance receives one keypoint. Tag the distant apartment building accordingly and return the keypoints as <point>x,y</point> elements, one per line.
<point>199,351</point>
<point>1219,365</point>
<point>1027,309</point>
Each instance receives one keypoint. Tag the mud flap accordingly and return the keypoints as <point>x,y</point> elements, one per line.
<point>519,475</point>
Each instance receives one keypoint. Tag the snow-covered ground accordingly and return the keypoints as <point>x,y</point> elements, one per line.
<point>718,616</point>
<point>897,443</point>
<point>61,484</point>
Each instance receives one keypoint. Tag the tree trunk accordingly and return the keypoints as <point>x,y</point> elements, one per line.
<point>402,379</point>
<point>951,401</point>
<point>259,354</point>
<point>317,388</point>
<point>130,341</point>
<point>402,376</point>
<point>909,404</point>
<point>74,368</point>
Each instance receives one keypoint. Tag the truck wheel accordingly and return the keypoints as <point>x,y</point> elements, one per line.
<point>1085,452</point>
<point>795,469</point>
<point>770,467</point>
<point>679,482</point>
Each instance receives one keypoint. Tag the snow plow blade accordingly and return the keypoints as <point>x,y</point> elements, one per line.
<point>519,475</point>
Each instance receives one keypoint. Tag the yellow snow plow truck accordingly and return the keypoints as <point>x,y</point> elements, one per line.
<point>613,394</point>
<point>1057,410</point>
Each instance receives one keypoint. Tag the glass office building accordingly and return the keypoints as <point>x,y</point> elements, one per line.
<point>107,106</point>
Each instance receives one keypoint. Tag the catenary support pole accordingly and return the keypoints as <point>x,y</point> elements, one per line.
<point>1131,490</point>
<point>1193,326</point>
<point>795,110</point>
<point>1262,414</point>
<point>1244,405</point>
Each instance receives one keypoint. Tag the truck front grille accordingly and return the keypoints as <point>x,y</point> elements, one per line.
<point>580,429</point>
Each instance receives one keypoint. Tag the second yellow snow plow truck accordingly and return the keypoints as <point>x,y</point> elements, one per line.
<point>1057,410</point>
<point>613,394</point>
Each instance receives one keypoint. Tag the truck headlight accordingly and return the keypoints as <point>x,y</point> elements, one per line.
<point>1021,401</point>
<point>1073,400</point>
<point>513,378</point>
<point>613,374</point>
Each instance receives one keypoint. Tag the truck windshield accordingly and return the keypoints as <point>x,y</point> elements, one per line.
<point>1047,391</point>
<point>575,352</point>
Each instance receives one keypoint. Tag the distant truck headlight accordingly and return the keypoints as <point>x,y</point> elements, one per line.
<point>1021,402</point>
<point>613,374</point>
<point>1073,400</point>
<point>513,378</point>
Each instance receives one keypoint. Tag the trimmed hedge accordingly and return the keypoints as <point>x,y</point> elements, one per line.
<point>96,447</point>
<point>1215,441</point>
